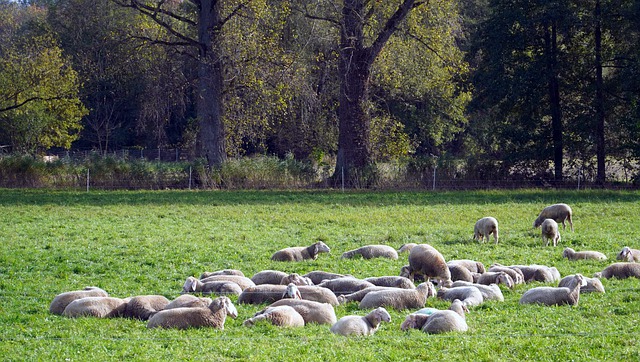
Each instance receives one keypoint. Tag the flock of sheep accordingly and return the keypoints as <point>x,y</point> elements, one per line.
<point>295,300</point>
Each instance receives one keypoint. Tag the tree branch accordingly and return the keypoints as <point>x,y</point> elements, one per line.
<point>28,100</point>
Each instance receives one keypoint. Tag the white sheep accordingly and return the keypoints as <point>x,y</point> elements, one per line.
<point>538,273</point>
<point>311,312</point>
<point>269,293</point>
<point>439,321</point>
<point>60,301</point>
<point>549,232</point>
<point>281,316</point>
<point>405,248</point>
<point>318,276</point>
<point>425,260</point>
<point>220,287</point>
<point>489,292</point>
<point>213,316</point>
<point>459,272</point>
<point>399,298</point>
<point>554,295</point>
<point>361,326</point>
<point>268,277</point>
<point>470,296</point>
<point>300,253</point>
<point>237,272</point>
<point>296,279</point>
<point>556,212</point>
<point>620,271</point>
<point>582,255</point>
<point>357,296</point>
<point>594,285</point>
<point>346,285</point>
<point>100,307</point>
<point>484,228</point>
<point>242,281</point>
<point>496,278</point>
<point>515,273</point>
<point>471,265</point>
<point>143,307</point>
<point>391,281</point>
<point>628,254</point>
<point>372,251</point>
<point>189,301</point>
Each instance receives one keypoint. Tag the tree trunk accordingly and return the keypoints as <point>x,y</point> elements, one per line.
<point>599,101</point>
<point>211,136</point>
<point>554,98</point>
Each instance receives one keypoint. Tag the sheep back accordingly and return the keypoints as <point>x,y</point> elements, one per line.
<point>426,260</point>
<point>60,301</point>
<point>318,276</point>
<point>391,281</point>
<point>300,253</point>
<point>311,311</point>
<point>556,212</point>
<point>100,307</point>
<point>346,285</point>
<point>620,271</point>
<point>398,299</point>
<point>281,316</point>
<point>372,251</point>
<point>268,277</point>
<point>484,228</point>
<point>143,307</point>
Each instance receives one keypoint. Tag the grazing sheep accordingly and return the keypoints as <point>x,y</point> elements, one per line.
<point>470,296</point>
<point>399,298</point>
<point>405,248</point>
<point>405,271</point>
<point>459,272</point>
<point>243,282</point>
<point>311,312</point>
<point>425,260</point>
<point>361,326</point>
<point>594,285</point>
<point>300,253</point>
<point>100,307</point>
<point>318,276</point>
<point>372,251</point>
<point>268,277</point>
<point>269,293</point>
<point>143,307</point>
<point>189,301</point>
<point>222,272</point>
<point>471,265</point>
<point>484,228</point>
<point>391,281</point>
<point>357,296</point>
<point>554,295</point>
<point>281,316</point>
<point>515,273</point>
<point>582,255</point>
<point>347,285</point>
<point>620,271</point>
<point>628,254</point>
<point>60,301</point>
<point>538,273</point>
<point>212,316</point>
<point>489,292</point>
<point>219,287</point>
<point>296,279</point>
<point>439,321</point>
<point>549,231</point>
<point>556,212</point>
<point>496,278</point>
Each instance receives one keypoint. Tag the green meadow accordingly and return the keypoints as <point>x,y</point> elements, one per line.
<point>148,242</point>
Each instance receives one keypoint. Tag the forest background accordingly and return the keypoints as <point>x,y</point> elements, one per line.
<point>481,90</point>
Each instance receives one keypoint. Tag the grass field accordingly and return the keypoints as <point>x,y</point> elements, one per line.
<point>133,243</point>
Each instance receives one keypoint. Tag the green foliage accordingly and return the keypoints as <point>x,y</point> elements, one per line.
<point>264,172</point>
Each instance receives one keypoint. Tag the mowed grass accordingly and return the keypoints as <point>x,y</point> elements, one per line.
<point>134,243</point>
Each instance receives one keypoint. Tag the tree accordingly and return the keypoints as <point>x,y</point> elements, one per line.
<point>39,104</point>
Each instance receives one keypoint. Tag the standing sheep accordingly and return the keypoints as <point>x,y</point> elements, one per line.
<point>556,212</point>
<point>628,254</point>
<point>213,316</point>
<point>549,231</point>
<point>143,307</point>
<point>281,316</point>
<point>594,285</point>
<point>372,251</point>
<point>553,295</point>
<point>60,301</point>
<point>399,298</point>
<point>484,228</point>
<point>405,248</point>
<point>582,255</point>
<point>300,253</point>
<point>425,260</point>
<point>361,326</point>
<point>100,307</point>
<point>620,271</point>
<point>220,287</point>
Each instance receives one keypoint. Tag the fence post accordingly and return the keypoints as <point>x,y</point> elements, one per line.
<point>189,177</point>
<point>343,179</point>
<point>87,180</point>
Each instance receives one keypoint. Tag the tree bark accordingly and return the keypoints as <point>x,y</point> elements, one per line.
<point>599,101</point>
<point>554,98</point>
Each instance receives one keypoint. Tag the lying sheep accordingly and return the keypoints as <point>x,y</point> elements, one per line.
<point>269,293</point>
<point>554,295</point>
<point>582,255</point>
<point>301,253</point>
<point>100,307</point>
<point>318,276</point>
<point>291,292</point>
<point>620,271</point>
<point>549,232</point>
<point>219,287</point>
<point>515,273</point>
<point>189,301</point>
<point>459,272</point>
<point>357,296</point>
<point>538,273</point>
<point>484,228</point>
<point>399,298</point>
<point>242,281</point>
<point>426,260</point>
<point>296,279</point>
<point>628,254</point>
<point>318,294</point>
<point>311,312</point>
<point>281,316</point>
<point>60,301</point>
<point>391,281</point>
<point>594,285</point>
<point>489,292</point>
<point>439,321</point>
<point>361,326</point>
<point>347,285</point>
<point>496,278</point>
<point>470,296</point>
<point>222,272</point>
<point>212,316</point>
<point>471,265</point>
<point>268,277</point>
<point>556,212</point>
<point>372,251</point>
<point>405,248</point>
<point>143,307</point>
